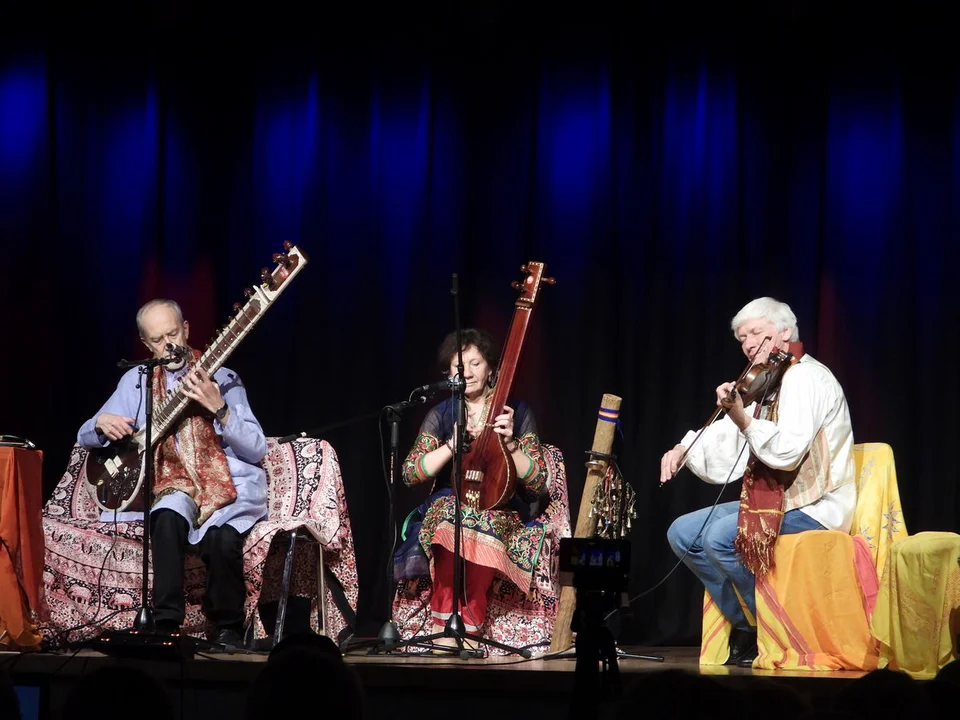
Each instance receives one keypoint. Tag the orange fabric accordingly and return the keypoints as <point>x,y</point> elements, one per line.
<point>797,614</point>
<point>21,554</point>
<point>811,611</point>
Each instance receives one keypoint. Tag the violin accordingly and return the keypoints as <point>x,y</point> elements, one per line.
<point>758,383</point>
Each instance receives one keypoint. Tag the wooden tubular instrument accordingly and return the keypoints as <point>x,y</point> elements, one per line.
<point>586,517</point>
<point>489,476</point>
<point>115,473</point>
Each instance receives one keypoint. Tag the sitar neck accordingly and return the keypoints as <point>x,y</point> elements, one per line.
<point>212,359</point>
<point>245,317</point>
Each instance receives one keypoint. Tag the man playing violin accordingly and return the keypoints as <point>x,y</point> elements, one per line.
<point>793,447</point>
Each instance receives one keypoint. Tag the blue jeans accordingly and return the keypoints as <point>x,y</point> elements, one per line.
<point>713,559</point>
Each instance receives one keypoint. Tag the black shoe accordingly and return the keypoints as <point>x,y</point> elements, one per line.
<point>743,648</point>
<point>229,639</point>
<point>747,660</point>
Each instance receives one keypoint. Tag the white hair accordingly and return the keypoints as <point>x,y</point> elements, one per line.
<point>773,311</point>
<point>154,303</point>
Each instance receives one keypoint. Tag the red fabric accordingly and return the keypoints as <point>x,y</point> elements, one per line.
<point>199,467</point>
<point>761,504</point>
<point>21,501</point>
<point>476,586</point>
<point>866,568</point>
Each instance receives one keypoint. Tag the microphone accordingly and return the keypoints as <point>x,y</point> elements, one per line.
<point>178,351</point>
<point>432,389</point>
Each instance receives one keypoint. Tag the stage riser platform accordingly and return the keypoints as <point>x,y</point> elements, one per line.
<point>397,687</point>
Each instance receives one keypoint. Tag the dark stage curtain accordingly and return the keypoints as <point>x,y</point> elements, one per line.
<point>665,176</point>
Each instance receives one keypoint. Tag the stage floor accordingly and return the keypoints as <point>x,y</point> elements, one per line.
<point>396,684</point>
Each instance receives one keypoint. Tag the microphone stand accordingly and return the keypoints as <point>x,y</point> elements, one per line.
<point>144,624</point>
<point>389,636</point>
<point>323,429</point>
<point>454,627</point>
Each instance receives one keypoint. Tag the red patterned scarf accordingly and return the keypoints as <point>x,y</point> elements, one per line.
<point>761,501</point>
<point>199,467</point>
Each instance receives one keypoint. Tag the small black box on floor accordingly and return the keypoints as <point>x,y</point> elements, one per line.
<point>144,646</point>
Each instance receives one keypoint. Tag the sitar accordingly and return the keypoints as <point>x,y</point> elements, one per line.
<point>489,476</point>
<point>115,473</point>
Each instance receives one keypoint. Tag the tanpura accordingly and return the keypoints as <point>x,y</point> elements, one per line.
<point>488,475</point>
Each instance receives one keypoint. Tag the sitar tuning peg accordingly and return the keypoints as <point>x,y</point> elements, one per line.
<point>287,245</point>
<point>523,268</point>
<point>249,292</point>
<point>549,280</point>
<point>236,308</point>
<point>516,285</point>
<point>281,259</point>
<point>264,274</point>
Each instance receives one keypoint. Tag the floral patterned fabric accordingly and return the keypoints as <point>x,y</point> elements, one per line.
<point>91,589</point>
<point>514,616</point>
<point>507,539</point>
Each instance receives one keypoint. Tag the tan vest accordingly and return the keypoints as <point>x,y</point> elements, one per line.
<point>811,480</point>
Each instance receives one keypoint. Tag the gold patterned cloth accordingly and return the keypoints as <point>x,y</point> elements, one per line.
<point>191,459</point>
<point>814,608</point>
<point>917,616</point>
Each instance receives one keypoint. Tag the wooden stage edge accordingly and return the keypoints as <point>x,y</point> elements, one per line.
<point>393,681</point>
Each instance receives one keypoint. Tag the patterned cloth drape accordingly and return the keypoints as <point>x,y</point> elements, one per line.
<point>512,618</point>
<point>86,587</point>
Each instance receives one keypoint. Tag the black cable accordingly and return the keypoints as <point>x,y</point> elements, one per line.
<point>687,551</point>
<point>63,637</point>
<point>699,532</point>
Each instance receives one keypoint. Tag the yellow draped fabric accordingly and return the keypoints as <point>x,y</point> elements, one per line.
<point>917,616</point>
<point>813,609</point>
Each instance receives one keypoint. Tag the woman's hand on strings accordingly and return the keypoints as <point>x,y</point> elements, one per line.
<point>671,461</point>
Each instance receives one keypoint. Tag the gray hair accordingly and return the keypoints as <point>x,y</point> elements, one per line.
<point>773,311</point>
<point>154,303</point>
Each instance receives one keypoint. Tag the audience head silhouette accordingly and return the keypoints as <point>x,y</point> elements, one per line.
<point>884,694</point>
<point>278,689</point>
<point>9,702</point>
<point>124,686</point>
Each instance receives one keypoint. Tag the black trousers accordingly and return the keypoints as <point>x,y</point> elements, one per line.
<point>221,551</point>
